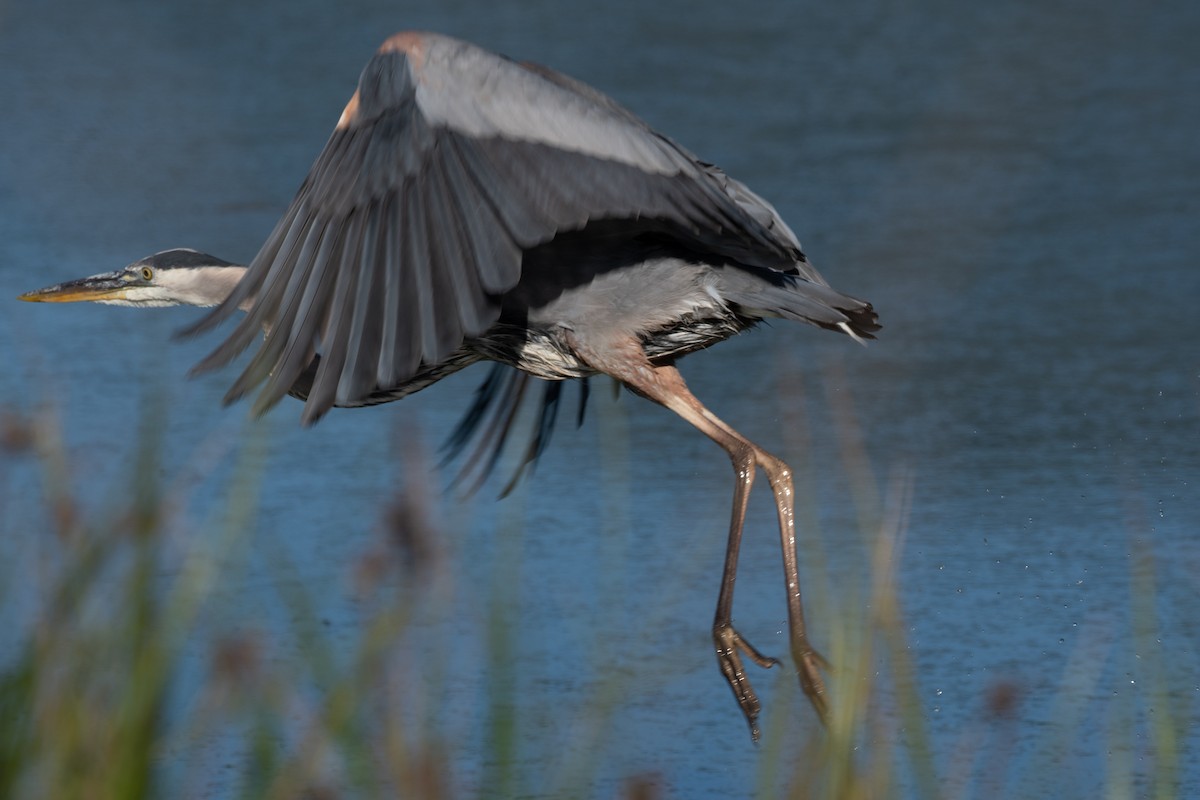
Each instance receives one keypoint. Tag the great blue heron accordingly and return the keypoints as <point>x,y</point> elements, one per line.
<point>468,207</point>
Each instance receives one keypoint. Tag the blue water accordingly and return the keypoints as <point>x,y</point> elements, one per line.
<point>1016,188</point>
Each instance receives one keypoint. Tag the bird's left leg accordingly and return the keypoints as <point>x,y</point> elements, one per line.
<point>808,661</point>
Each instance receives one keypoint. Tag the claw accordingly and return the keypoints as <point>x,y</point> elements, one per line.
<point>730,647</point>
<point>808,668</point>
<point>766,662</point>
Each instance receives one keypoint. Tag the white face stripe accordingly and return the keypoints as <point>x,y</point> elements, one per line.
<point>187,286</point>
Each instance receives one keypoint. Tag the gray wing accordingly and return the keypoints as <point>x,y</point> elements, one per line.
<point>449,162</point>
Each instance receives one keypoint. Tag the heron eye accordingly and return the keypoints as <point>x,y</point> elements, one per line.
<point>147,273</point>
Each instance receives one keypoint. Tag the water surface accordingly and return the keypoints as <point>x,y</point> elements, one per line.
<point>1016,189</point>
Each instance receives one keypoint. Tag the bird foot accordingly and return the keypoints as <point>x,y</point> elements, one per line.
<point>809,664</point>
<point>730,648</point>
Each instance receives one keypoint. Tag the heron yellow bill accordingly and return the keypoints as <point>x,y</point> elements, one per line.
<point>98,288</point>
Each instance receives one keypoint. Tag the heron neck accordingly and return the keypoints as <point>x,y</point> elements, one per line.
<point>209,286</point>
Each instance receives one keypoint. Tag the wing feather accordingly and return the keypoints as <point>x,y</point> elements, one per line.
<point>362,347</point>
<point>288,285</point>
<point>323,393</point>
<point>300,347</point>
<point>407,357</point>
<point>459,249</point>
<point>491,244</point>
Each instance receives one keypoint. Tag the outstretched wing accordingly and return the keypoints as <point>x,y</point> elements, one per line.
<point>449,162</point>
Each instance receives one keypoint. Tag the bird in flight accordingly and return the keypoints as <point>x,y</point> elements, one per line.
<point>467,208</point>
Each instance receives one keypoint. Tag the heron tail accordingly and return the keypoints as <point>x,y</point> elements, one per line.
<point>766,293</point>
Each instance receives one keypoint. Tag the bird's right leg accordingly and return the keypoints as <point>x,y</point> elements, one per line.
<point>626,361</point>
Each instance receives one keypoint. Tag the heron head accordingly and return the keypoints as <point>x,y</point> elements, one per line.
<point>170,278</point>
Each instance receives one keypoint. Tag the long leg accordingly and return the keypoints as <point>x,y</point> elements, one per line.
<point>626,361</point>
